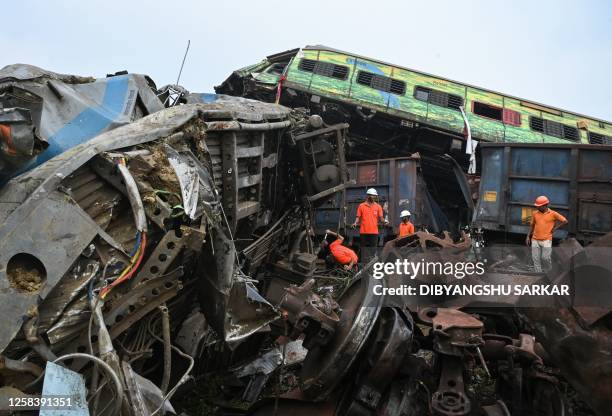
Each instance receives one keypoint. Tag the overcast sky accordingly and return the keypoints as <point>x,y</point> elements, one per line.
<point>555,52</point>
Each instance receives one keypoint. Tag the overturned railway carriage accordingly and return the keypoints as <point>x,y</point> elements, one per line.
<point>392,107</point>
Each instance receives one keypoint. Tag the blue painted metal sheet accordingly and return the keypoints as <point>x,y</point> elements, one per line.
<point>491,185</point>
<point>551,163</point>
<point>70,112</point>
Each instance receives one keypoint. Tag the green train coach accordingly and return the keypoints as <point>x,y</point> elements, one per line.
<point>392,103</point>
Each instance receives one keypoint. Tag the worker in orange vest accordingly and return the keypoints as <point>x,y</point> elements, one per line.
<point>544,222</point>
<point>406,227</point>
<point>342,254</point>
<point>369,213</point>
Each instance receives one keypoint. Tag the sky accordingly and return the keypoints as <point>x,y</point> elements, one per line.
<point>554,52</point>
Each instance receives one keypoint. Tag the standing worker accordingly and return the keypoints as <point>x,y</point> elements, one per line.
<point>368,214</point>
<point>544,222</point>
<point>343,255</point>
<point>406,227</point>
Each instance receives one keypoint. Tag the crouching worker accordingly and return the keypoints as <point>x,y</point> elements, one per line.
<point>544,223</point>
<point>342,254</point>
<point>406,228</point>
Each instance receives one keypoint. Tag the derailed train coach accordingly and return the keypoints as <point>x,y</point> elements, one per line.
<point>393,109</point>
<point>395,112</point>
<point>114,241</point>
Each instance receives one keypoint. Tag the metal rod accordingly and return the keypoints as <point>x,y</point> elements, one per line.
<point>183,63</point>
<point>330,191</point>
<point>167,348</point>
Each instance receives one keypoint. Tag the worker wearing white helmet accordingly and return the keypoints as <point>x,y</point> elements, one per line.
<point>368,215</point>
<point>406,227</point>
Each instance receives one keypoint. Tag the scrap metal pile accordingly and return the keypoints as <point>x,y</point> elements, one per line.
<point>159,244</point>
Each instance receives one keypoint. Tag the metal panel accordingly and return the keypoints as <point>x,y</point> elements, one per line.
<point>525,191</point>
<point>490,202</point>
<point>576,178</point>
<point>540,162</point>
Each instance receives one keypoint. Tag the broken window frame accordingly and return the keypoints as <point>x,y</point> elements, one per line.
<point>271,68</point>
<point>441,98</point>
<point>507,116</point>
<point>381,83</point>
<point>476,104</point>
<point>339,72</point>
<point>554,129</point>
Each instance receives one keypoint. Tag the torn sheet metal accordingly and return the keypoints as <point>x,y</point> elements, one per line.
<point>63,111</point>
<point>36,214</point>
<point>188,178</point>
<point>262,365</point>
<point>145,396</point>
<point>60,381</point>
<point>288,354</point>
<point>36,210</point>
<point>18,139</point>
<point>65,292</point>
<point>43,248</point>
<point>245,318</point>
<point>192,332</point>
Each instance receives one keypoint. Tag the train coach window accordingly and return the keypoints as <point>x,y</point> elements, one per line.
<point>596,138</point>
<point>504,115</point>
<point>438,98</point>
<point>486,110</point>
<point>571,133</point>
<point>511,117</point>
<point>421,94</point>
<point>381,83</point>
<point>325,69</point>
<point>554,128</point>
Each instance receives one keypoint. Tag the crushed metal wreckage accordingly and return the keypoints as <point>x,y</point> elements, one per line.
<point>158,252</point>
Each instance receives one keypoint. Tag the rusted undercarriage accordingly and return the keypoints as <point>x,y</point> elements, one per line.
<point>171,263</point>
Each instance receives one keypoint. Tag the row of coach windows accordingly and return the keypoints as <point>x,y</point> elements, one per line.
<point>554,128</point>
<point>444,99</point>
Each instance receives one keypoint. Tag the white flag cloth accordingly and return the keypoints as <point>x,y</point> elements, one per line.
<point>470,146</point>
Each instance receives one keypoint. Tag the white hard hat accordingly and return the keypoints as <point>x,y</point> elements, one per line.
<point>372,191</point>
<point>405,213</point>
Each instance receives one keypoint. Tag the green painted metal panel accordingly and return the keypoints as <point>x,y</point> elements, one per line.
<point>408,107</point>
